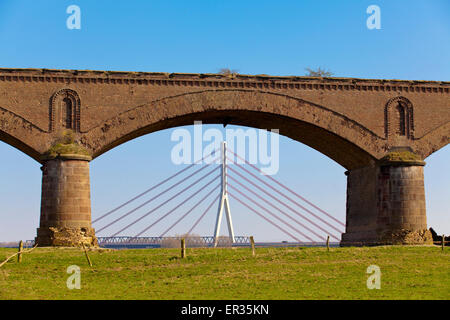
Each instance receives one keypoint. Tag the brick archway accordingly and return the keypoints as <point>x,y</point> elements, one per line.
<point>22,134</point>
<point>336,136</point>
<point>380,130</point>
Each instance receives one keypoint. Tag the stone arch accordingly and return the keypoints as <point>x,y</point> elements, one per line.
<point>433,141</point>
<point>65,107</point>
<point>340,138</point>
<point>22,134</point>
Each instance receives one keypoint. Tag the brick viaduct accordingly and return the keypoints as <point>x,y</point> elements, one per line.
<point>379,130</point>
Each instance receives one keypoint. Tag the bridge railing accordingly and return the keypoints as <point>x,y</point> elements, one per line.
<point>203,241</point>
<point>194,240</point>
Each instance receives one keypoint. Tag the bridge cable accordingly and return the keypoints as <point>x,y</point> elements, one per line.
<point>284,204</point>
<point>288,189</point>
<point>268,220</point>
<point>272,205</point>
<point>170,199</point>
<point>203,214</point>
<point>293,201</point>
<point>272,214</point>
<point>179,205</point>
<point>152,188</point>
<point>150,200</point>
<point>189,211</point>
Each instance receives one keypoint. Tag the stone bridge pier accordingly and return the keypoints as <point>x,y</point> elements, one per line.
<point>65,202</point>
<point>386,205</point>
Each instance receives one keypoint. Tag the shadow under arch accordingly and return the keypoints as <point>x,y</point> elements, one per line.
<point>434,141</point>
<point>20,145</point>
<point>23,135</point>
<point>345,141</point>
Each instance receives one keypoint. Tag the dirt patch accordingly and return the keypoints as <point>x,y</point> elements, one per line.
<point>69,237</point>
<point>410,237</point>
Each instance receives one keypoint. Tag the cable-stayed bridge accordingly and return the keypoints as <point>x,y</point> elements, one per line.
<point>211,186</point>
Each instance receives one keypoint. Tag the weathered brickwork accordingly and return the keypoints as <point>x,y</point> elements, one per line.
<point>66,202</point>
<point>386,204</point>
<point>355,122</point>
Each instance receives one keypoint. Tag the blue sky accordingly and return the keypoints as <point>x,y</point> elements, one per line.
<point>254,37</point>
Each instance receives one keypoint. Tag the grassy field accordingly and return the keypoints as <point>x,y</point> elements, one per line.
<point>229,273</point>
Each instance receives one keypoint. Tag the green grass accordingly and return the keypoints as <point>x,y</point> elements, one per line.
<point>409,272</point>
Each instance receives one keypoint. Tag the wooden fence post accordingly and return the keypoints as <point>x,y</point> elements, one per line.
<point>443,242</point>
<point>252,242</point>
<point>328,243</point>
<point>183,248</point>
<point>86,254</point>
<point>19,255</point>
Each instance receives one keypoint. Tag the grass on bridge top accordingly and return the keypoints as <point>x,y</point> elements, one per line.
<point>409,272</point>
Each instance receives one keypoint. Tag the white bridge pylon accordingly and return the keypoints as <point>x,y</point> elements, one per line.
<point>224,202</point>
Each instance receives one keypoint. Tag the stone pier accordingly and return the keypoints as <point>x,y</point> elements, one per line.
<point>66,204</point>
<point>386,205</point>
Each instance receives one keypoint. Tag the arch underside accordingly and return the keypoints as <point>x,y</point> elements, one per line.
<point>18,144</point>
<point>22,134</point>
<point>342,151</point>
<point>336,136</point>
<point>433,141</point>
<point>345,141</point>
